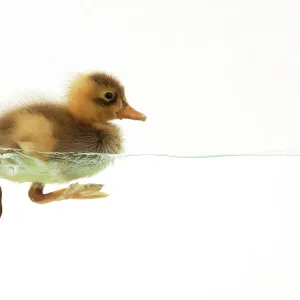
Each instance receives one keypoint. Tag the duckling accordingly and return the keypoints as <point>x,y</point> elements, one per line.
<point>81,124</point>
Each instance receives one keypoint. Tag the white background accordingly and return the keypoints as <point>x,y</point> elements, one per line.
<point>212,77</point>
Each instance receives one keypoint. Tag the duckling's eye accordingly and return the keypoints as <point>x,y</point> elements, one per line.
<point>109,96</point>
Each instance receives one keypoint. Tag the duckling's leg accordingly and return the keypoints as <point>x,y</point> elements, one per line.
<point>74,191</point>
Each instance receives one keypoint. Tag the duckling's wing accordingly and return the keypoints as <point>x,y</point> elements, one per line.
<point>33,131</point>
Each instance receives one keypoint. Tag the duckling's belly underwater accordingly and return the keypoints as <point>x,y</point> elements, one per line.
<point>58,168</point>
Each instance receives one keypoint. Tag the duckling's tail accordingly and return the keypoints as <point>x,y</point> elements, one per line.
<point>0,202</point>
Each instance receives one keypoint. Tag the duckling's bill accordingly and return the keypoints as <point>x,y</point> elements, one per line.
<point>127,112</point>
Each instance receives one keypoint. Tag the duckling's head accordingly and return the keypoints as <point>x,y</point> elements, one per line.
<point>98,98</point>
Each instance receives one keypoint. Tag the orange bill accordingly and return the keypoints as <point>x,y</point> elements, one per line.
<point>127,112</point>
